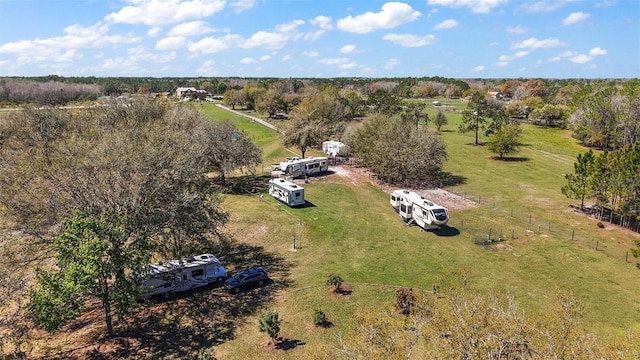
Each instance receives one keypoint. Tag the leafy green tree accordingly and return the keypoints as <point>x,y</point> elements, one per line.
<point>230,149</point>
<point>578,183</point>
<point>335,281</point>
<point>414,113</point>
<point>398,152</point>
<point>314,120</point>
<point>94,258</point>
<point>506,140</point>
<point>383,102</point>
<point>269,322</point>
<point>440,120</point>
<point>474,116</point>
<point>232,97</point>
<point>270,101</point>
<point>319,317</point>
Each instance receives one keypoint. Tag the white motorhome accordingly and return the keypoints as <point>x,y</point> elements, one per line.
<point>335,148</point>
<point>414,208</point>
<point>296,167</point>
<point>180,275</point>
<point>287,192</point>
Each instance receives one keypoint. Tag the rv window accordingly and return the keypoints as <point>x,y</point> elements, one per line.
<point>298,194</point>
<point>403,208</point>
<point>167,285</point>
<point>393,198</point>
<point>184,277</point>
<point>198,272</point>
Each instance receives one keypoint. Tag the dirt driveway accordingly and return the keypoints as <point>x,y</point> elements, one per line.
<point>359,176</point>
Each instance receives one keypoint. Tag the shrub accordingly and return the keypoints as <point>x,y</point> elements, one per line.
<point>405,300</point>
<point>269,322</point>
<point>335,281</point>
<point>319,317</point>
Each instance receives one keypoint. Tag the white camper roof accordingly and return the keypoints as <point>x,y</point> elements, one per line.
<point>286,184</point>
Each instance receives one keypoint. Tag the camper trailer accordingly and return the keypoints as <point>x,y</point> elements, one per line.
<point>335,148</point>
<point>415,209</point>
<point>287,192</point>
<point>174,276</point>
<point>296,167</point>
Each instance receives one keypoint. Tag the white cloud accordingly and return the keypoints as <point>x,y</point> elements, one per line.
<point>392,63</point>
<point>159,12</point>
<point>65,48</point>
<point>265,57</point>
<point>248,61</point>
<point>208,68</point>
<point>209,45</point>
<point>533,43</point>
<point>409,40</point>
<point>286,58</point>
<point>516,30</point>
<point>580,59</point>
<point>342,63</point>
<point>265,39</point>
<point>291,26</point>
<point>597,51</point>
<point>478,68</point>
<point>347,49</point>
<point>447,24</point>
<point>171,43</point>
<point>242,5</point>
<point>392,15</point>
<point>154,31</point>
<point>310,53</point>
<point>476,6</point>
<point>313,35</point>
<point>543,5</point>
<point>504,60</point>
<point>575,18</point>
<point>323,22</point>
<point>191,28</point>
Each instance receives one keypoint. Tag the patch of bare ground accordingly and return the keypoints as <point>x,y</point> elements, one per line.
<point>359,175</point>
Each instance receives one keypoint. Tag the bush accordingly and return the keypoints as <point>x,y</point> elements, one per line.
<point>319,317</point>
<point>335,281</point>
<point>405,300</point>
<point>269,322</point>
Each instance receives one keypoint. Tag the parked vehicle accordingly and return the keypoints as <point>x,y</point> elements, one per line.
<point>246,278</point>
<point>287,192</point>
<point>296,167</point>
<point>335,148</point>
<point>180,275</point>
<point>415,209</point>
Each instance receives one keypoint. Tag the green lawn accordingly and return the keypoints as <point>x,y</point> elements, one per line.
<point>352,231</point>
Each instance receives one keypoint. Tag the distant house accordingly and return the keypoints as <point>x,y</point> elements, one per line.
<point>495,94</point>
<point>190,92</point>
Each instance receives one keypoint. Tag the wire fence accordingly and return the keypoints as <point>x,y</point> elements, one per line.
<point>522,224</point>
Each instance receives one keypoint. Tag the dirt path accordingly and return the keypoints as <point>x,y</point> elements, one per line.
<point>359,176</point>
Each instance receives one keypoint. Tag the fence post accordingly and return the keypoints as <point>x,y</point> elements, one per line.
<point>626,258</point>
<point>597,243</point>
<point>462,225</point>
<point>549,225</point>
<point>529,219</point>
<point>511,212</point>
<point>513,234</point>
<point>573,233</point>
<point>480,199</point>
<point>489,239</point>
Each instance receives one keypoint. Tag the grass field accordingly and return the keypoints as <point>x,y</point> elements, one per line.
<point>352,231</point>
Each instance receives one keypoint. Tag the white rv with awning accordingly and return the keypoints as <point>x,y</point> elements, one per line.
<point>180,275</point>
<point>414,208</point>
<point>296,167</point>
<point>287,192</point>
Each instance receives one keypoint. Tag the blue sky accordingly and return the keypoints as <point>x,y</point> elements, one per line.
<point>321,38</point>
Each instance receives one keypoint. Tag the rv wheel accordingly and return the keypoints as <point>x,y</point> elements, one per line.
<point>260,282</point>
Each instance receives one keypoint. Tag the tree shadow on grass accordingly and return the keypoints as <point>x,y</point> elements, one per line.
<point>510,159</point>
<point>177,327</point>
<point>449,179</point>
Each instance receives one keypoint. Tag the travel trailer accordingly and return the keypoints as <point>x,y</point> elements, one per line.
<point>180,275</point>
<point>296,167</point>
<point>335,148</point>
<point>414,208</point>
<point>287,192</point>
